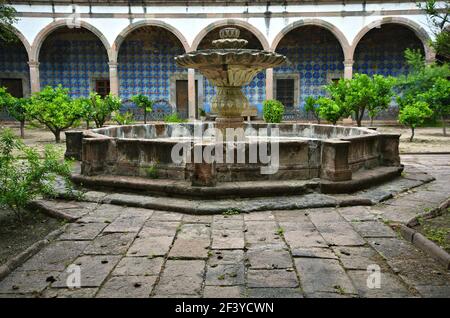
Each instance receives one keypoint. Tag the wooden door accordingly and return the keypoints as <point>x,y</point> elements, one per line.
<point>182,98</point>
<point>13,85</point>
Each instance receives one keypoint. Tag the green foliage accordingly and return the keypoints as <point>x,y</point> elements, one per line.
<point>311,106</point>
<point>329,110</point>
<point>7,19</point>
<point>54,108</point>
<point>231,211</point>
<point>152,172</point>
<point>360,94</point>
<point>174,118</point>
<point>143,102</point>
<point>413,115</point>
<point>24,175</point>
<point>438,97</point>
<point>438,14</point>
<point>100,109</point>
<point>273,111</point>
<point>202,112</point>
<point>126,118</point>
<point>427,83</point>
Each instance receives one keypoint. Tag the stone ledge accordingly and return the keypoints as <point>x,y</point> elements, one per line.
<point>183,189</point>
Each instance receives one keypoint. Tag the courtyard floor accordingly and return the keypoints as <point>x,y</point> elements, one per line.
<point>325,252</point>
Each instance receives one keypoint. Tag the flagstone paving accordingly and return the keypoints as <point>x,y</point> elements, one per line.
<point>324,252</point>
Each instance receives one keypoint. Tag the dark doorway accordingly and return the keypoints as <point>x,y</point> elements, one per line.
<point>285,91</point>
<point>13,85</point>
<point>102,87</point>
<point>182,97</point>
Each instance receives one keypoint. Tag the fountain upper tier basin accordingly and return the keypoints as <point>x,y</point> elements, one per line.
<point>304,151</point>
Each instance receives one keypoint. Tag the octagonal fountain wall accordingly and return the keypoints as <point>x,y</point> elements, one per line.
<point>305,151</point>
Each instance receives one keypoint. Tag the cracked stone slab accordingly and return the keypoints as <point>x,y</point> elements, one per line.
<point>110,244</point>
<point>227,239</point>
<point>357,213</point>
<point>194,231</point>
<point>325,216</point>
<point>27,281</point>
<point>275,293</point>
<point>223,292</point>
<point>225,275</point>
<point>69,292</point>
<point>127,223</point>
<point>323,275</point>
<point>304,238</point>
<point>190,248</point>
<point>93,270</point>
<point>225,257</point>
<point>166,216</point>
<point>153,246</point>
<point>269,256</point>
<point>55,257</point>
<point>340,233</point>
<point>262,232</point>
<point>390,285</point>
<point>272,278</point>
<point>313,252</point>
<point>128,287</point>
<point>159,228</point>
<point>197,218</point>
<point>359,257</point>
<point>373,229</point>
<point>181,277</point>
<point>138,266</point>
<point>82,231</point>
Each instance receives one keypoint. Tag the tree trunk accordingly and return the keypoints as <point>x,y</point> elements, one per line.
<point>22,129</point>
<point>87,124</point>
<point>412,134</point>
<point>57,134</point>
<point>444,129</point>
<point>145,116</point>
<point>371,121</point>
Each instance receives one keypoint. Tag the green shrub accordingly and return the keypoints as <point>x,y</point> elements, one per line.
<point>25,176</point>
<point>143,102</point>
<point>126,118</point>
<point>329,110</point>
<point>202,112</point>
<point>99,109</point>
<point>413,115</point>
<point>174,118</point>
<point>152,172</point>
<point>15,108</point>
<point>273,111</point>
<point>311,106</point>
<point>54,108</point>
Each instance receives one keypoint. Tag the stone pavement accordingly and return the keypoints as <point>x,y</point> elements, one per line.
<point>324,252</point>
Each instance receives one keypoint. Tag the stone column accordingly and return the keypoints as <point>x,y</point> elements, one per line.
<point>389,149</point>
<point>113,78</point>
<point>269,83</point>
<point>191,94</point>
<point>334,165</point>
<point>34,76</point>
<point>348,74</point>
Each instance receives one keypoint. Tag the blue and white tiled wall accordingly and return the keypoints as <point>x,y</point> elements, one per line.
<point>146,63</point>
<point>312,53</point>
<point>381,51</point>
<point>73,59</point>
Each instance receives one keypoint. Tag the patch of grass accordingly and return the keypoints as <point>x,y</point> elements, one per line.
<point>339,289</point>
<point>152,172</point>
<point>232,212</point>
<point>279,231</point>
<point>437,235</point>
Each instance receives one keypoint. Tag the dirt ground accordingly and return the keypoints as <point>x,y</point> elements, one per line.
<point>429,139</point>
<point>437,229</point>
<point>16,236</point>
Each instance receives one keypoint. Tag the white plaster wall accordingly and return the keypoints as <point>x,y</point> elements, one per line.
<point>190,27</point>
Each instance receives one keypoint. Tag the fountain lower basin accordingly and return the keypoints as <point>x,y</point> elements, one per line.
<point>305,152</point>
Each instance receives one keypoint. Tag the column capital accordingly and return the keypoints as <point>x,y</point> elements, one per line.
<point>348,63</point>
<point>113,64</point>
<point>33,63</point>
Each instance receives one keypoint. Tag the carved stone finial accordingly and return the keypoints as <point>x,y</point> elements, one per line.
<point>229,39</point>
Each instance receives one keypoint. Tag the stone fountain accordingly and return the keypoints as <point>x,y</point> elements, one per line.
<point>229,66</point>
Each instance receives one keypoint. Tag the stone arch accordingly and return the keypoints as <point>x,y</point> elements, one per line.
<point>421,34</point>
<point>24,41</point>
<point>230,22</point>
<point>134,26</point>
<point>45,32</point>
<point>316,22</point>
